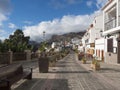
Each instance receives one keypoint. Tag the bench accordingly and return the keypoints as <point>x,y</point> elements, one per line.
<point>12,73</point>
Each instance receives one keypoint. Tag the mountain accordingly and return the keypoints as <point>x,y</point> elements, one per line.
<point>66,37</point>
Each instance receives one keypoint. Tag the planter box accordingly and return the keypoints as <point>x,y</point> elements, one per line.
<point>84,61</point>
<point>95,66</point>
<point>43,64</point>
<point>52,61</point>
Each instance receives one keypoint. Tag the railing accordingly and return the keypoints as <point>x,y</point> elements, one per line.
<point>110,24</point>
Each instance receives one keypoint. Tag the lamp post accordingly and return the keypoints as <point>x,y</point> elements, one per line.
<point>44,35</point>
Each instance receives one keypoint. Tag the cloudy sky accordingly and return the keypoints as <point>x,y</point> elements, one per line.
<point>51,16</point>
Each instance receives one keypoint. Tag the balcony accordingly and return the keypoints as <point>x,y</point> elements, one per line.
<point>110,24</point>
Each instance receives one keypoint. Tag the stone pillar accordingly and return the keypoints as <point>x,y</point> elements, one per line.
<point>28,55</point>
<point>10,57</point>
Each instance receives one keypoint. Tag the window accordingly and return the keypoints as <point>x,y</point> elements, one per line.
<point>110,45</point>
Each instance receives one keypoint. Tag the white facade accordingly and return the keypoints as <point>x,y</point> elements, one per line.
<point>99,48</point>
<point>99,44</point>
<point>93,33</point>
<point>53,45</point>
<point>111,30</point>
<point>111,17</point>
<point>85,42</point>
<point>76,41</point>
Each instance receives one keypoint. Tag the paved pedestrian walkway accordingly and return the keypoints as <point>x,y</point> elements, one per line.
<point>69,74</point>
<point>108,72</point>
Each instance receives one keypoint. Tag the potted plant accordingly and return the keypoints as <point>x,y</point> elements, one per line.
<point>95,64</point>
<point>52,61</point>
<point>43,63</point>
<point>80,56</point>
<point>83,60</point>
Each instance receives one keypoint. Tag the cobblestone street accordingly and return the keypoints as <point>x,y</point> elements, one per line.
<point>68,74</point>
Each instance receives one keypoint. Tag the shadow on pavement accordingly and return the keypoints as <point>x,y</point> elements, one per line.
<point>44,84</point>
<point>62,72</point>
<point>109,70</point>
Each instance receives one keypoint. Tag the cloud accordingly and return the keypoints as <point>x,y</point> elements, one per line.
<point>2,34</point>
<point>5,6</point>
<point>12,26</point>
<point>73,1</point>
<point>68,23</point>
<point>57,4</point>
<point>63,3</point>
<point>101,3</point>
<point>2,18</point>
<point>28,22</point>
<point>1,31</point>
<point>89,3</point>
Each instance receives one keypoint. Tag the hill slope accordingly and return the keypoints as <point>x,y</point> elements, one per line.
<point>66,37</point>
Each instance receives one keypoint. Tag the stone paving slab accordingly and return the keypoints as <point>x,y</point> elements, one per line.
<point>69,74</point>
<point>108,72</point>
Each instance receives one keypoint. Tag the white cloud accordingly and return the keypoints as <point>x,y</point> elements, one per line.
<point>1,31</point>
<point>101,3</point>
<point>2,34</point>
<point>73,1</point>
<point>5,8</point>
<point>68,23</point>
<point>27,22</point>
<point>12,26</point>
<point>89,3</point>
<point>63,3</point>
<point>2,18</point>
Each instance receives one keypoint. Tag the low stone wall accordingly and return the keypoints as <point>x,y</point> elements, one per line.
<point>34,55</point>
<point>4,58</point>
<point>9,57</point>
<point>19,56</point>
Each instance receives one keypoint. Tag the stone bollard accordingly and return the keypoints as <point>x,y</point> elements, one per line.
<point>10,53</point>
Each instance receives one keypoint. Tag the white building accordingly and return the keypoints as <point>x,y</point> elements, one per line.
<point>111,25</point>
<point>99,39</point>
<point>76,42</point>
<point>93,33</point>
<point>99,48</point>
<point>85,42</point>
<point>53,45</point>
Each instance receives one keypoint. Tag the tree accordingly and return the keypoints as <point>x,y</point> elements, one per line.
<point>42,46</point>
<point>17,42</point>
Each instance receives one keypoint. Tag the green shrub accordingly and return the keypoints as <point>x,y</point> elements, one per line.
<point>94,61</point>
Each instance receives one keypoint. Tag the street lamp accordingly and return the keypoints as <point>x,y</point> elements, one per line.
<point>44,35</point>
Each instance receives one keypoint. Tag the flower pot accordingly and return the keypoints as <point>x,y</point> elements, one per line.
<point>52,61</point>
<point>95,66</point>
<point>43,64</point>
<point>84,61</point>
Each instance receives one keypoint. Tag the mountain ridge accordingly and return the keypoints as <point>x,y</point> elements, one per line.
<point>66,37</point>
